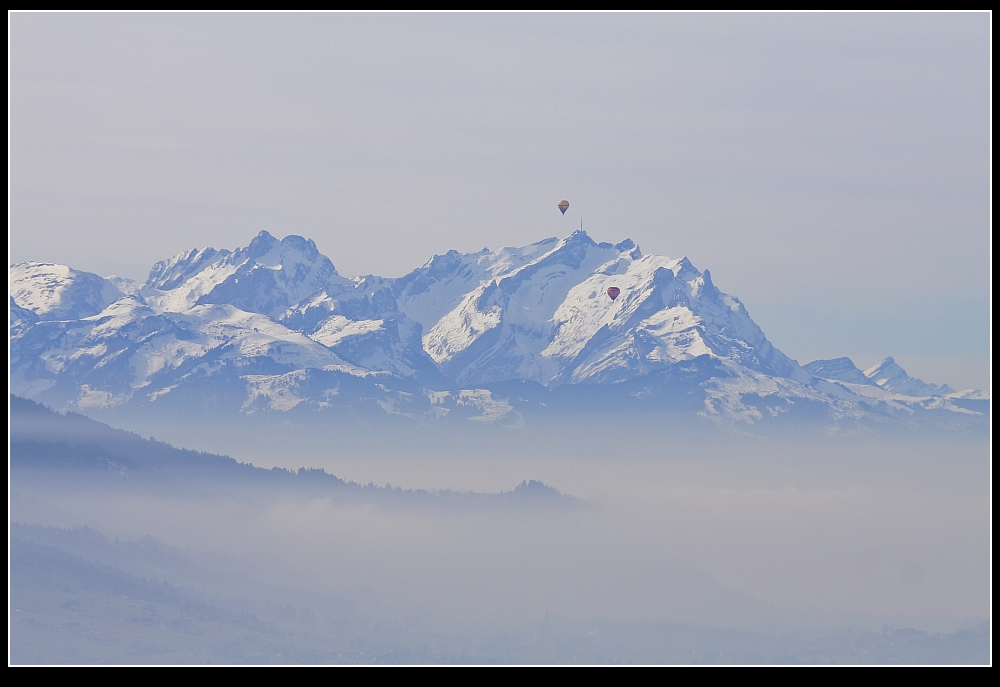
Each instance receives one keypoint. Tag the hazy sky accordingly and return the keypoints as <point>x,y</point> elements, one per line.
<point>832,170</point>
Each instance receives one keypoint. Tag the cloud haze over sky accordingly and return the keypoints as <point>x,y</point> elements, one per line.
<point>832,170</point>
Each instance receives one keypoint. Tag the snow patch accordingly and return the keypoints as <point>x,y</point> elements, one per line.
<point>96,398</point>
<point>281,391</point>
<point>336,328</point>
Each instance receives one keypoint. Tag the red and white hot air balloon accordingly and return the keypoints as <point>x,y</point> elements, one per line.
<point>613,291</point>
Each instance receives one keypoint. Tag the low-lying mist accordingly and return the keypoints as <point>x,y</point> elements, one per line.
<point>791,538</point>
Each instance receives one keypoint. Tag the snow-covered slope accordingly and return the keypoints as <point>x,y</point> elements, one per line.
<point>56,292</point>
<point>432,291</point>
<point>838,369</point>
<point>887,375</point>
<point>273,327</point>
<point>266,277</point>
<point>551,320</point>
<point>130,350</point>
<point>20,317</point>
<point>891,377</point>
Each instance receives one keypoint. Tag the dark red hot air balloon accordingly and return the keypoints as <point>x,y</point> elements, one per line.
<point>613,291</point>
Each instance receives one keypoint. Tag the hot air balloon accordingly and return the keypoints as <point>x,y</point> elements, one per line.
<point>563,206</point>
<point>613,291</point>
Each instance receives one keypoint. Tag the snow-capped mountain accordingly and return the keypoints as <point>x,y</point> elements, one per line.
<point>891,377</point>
<point>551,320</point>
<point>887,383</point>
<point>273,326</point>
<point>266,277</point>
<point>56,292</point>
<point>887,375</point>
<point>838,369</point>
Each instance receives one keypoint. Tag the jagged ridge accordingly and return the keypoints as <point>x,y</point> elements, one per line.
<point>277,327</point>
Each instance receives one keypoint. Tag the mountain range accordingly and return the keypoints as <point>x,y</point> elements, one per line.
<point>498,337</point>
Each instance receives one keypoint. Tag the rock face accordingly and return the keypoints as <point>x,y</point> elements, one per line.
<point>274,327</point>
<point>838,369</point>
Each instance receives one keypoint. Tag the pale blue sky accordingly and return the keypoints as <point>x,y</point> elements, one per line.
<point>832,170</point>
